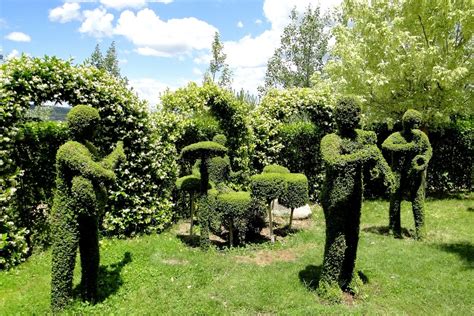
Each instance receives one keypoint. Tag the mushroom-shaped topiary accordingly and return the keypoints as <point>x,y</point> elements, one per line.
<point>268,187</point>
<point>233,208</point>
<point>203,151</point>
<point>190,184</point>
<point>296,193</point>
<point>274,168</point>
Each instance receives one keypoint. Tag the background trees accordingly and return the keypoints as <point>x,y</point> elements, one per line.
<point>219,71</point>
<point>301,53</point>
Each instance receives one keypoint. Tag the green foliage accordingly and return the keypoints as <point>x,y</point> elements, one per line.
<point>189,183</point>
<point>82,121</point>
<point>274,168</point>
<point>220,139</point>
<point>296,193</point>
<point>395,55</point>
<point>140,198</point>
<point>13,246</point>
<point>273,138</point>
<point>267,186</point>
<point>36,146</point>
<point>79,201</point>
<point>409,151</point>
<point>303,45</point>
<point>234,210</point>
<point>219,169</point>
<point>218,66</point>
<point>346,155</point>
<point>202,150</point>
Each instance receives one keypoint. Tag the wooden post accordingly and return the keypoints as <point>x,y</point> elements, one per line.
<point>270,220</point>
<point>231,233</point>
<point>291,217</point>
<point>192,213</point>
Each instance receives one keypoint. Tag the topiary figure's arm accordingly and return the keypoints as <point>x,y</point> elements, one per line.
<point>78,159</point>
<point>331,152</point>
<point>397,143</point>
<point>420,161</point>
<point>116,156</point>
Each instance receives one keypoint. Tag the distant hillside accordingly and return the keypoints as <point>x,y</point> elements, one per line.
<point>59,113</point>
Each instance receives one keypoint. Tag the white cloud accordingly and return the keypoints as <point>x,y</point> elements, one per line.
<point>135,4</point>
<point>258,21</point>
<point>197,71</point>
<point>202,59</point>
<point>149,89</point>
<point>97,23</point>
<point>18,37</point>
<point>240,24</point>
<point>148,51</point>
<point>13,54</point>
<point>248,78</point>
<point>65,13</point>
<point>173,37</point>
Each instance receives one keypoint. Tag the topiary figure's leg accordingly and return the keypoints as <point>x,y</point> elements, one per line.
<point>66,237</point>
<point>352,240</point>
<point>205,209</point>
<point>89,250</point>
<point>418,205</point>
<point>395,225</point>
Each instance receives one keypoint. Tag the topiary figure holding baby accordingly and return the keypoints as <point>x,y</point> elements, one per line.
<point>346,154</point>
<point>409,152</point>
<point>79,199</point>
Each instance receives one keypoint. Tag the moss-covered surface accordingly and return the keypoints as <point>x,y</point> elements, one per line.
<point>409,153</point>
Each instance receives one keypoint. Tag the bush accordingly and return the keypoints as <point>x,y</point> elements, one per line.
<point>275,169</point>
<point>13,246</point>
<point>296,193</point>
<point>234,210</point>
<point>267,186</point>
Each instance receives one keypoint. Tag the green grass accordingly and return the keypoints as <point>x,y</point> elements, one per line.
<point>161,275</point>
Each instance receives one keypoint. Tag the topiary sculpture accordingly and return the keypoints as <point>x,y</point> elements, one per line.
<point>233,207</point>
<point>409,151</point>
<point>296,193</point>
<point>345,154</point>
<point>78,202</point>
<point>274,168</point>
<point>204,151</point>
<point>268,187</point>
<point>190,184</point>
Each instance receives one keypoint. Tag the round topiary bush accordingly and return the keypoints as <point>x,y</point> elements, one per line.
<point>274,168</point>
<point>190,184</point>
<point>234,212</point>
<point>296,193</point>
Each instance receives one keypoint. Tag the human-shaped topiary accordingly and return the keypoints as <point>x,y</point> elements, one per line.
<point>345,154</point>
<point>295,194</point>
<point>409,153</point>
<point>204,151</point>
<point>78,202</point>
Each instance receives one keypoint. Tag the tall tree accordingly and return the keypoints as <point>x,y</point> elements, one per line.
<point>303,46</point>
<point>219,71</point>
<point>111,62</point>
<point>400,54</point>
<point>96,59</point>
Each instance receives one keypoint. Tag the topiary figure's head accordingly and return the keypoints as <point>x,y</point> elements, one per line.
<point>347,116</point>
<point>274,168</point>
<point>82,121</point>
<point>220,139</point>
<point>411,120</point>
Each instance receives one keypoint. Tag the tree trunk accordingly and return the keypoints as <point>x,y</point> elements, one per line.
<point>270,221</point>
<point>192,213</point>
<point>291,217</point>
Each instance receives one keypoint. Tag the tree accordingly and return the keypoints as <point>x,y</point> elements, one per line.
<point>219,71</point>
<point>396,55</point>
<point>96,59</point>
<point>303,46</point>
<point>111,61</point>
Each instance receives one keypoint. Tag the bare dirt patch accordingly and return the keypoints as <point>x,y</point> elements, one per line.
<point>175,262</point>
<point>266,257</point>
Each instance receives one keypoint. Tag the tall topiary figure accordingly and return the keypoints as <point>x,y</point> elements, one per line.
<point>190,184</point>
<point>78,202</point>
<point>345,154</point>
<point>409,151</point>
<point>204,151</point>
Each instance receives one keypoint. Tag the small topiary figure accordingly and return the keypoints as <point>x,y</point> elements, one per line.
<point>78,202</point>
<point>190,184</point>
<point>204,151</point>
<point>345,154</point>
<point>268,187</point>
<point>409,151</point>
<point>296,193</point>
<point>234,208</point>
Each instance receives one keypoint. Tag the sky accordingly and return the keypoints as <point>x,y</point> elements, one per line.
<point>160,43</point>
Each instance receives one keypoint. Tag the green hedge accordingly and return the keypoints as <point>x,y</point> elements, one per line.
<point>296,193</point>
<point>267,186</point>
<point>234,209</point>
<point>274,168</point>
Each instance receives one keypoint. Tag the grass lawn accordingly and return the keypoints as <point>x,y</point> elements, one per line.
<point>160,274</point>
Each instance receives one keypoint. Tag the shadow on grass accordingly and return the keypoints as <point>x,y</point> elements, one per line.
<point>470,209</point>
<point>285,231</point>
<point>384,230</point>
<point>464,250</point>
<point>310,276</point>
<point>110,279</point>
<point>193,241</point>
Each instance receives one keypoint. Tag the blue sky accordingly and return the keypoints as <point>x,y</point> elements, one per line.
<point>161,43</point>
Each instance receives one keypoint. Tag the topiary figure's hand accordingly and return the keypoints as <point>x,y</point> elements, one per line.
<point>419,163</point>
